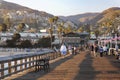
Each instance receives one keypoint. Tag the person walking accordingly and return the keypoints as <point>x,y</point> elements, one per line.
<point>101,51</point>
<point>70,49</point>
<point>105,50</point>
<point>74,50</point>
<point>96,50</point>
<point>63,49</point>
<point>92,49</point>
<point>116,51</point>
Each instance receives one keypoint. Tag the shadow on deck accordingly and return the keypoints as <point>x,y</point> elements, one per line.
<point>86,70</point>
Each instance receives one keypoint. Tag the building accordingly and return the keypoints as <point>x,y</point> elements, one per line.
<point>75,38</point>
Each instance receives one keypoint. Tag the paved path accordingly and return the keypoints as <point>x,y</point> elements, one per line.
<point>76,67</point>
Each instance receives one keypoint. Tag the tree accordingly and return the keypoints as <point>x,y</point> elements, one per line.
<point>51,29</point>
<point>68,29</point>
<point>16,37</point>
<point>51,20</point>
<point>20,27</point>
<point>55,19</point>
<point>97,33</point>
<point>80,29</point>
<point>3,27</point>
<point>60,29</point>
<point>10,43</point>
<point>26,44</point>
<point>51,34</point>
<point>7,21</point>
<point>44,42</point>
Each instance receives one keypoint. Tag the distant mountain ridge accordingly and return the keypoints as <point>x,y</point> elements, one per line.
<point>11,12</point>
<point>107,14</point>
<point>16,10</point>
<point>16,14</point>
<point>80,18</point>
<point>92,18</point>
<point>20,13</point>
<point>4,5</point>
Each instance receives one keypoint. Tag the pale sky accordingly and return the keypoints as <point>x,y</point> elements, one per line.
<point>68,7</point>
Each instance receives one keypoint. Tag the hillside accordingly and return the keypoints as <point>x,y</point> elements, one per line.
<point>13,14</point>
<point>8,7</point>
<point>93,18</point>
<point>16,14</point>
<point>108,14</point>
<point>80,18</point>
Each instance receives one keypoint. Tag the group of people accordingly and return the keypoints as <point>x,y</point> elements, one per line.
<point>104,50</point>
<point>70,49</point>
<point>94,48</point>
<point>98,50</point>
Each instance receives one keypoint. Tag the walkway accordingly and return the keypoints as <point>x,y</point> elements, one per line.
<point>78,67</point>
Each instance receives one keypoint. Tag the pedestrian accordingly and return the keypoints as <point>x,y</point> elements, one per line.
<point>96,50</point>
<point>105,50</point>
<point>101,51</point>
<point>74,50</point>
<point>116,49</point>
<point>70,49</point>
<point>91,49</point>
<point>63,49</point>
<point>116,53</point>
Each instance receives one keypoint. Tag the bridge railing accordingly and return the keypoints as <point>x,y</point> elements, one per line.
<point>17,63</point>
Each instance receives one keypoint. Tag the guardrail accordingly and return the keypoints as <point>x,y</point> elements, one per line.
<point>17,63</point>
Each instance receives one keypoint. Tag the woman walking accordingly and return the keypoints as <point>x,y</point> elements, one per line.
<point>63,50</point>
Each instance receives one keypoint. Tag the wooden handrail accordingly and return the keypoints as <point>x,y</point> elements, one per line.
<point>17,63</point>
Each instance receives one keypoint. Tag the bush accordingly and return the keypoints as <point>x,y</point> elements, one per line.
<point>26,44</point>
<point>44,42</point>
<point>10,43</point>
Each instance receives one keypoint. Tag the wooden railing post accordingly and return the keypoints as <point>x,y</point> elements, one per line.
<point>2,67</point>
<point>33,58</point>
<point>25,62</point>
<point>21,62</point>
<point>15,66</point>
<point>29,61</point>
<point>9,65</point>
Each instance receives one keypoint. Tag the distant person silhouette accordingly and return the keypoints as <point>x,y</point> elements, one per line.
<point>63,50</point>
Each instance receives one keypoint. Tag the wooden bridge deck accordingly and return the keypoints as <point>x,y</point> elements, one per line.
<point>75,67</point>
